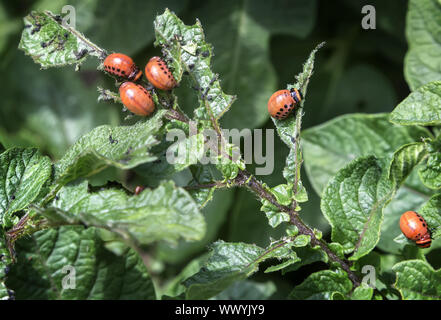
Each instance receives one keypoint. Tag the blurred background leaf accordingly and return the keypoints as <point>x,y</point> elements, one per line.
<point>423,34</point>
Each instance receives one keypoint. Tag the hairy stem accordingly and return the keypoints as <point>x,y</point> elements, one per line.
<point>217,184</point>
<point>297,159</point>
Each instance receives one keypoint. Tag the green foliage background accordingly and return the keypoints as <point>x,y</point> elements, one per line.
<point>259,46</point>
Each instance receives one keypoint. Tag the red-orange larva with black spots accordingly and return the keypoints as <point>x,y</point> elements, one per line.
<point>159,75</point>
<point>122,66</point>
<point>283,102</point>
<point>415,228</point>
<point>136,98</point>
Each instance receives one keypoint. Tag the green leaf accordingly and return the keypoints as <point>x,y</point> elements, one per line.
<point>292,230</point>
<point>338,249</point>
<point>363,292</point>
<point>297,18</point>
<point>353,203</point>
<point>5,264</point>
<point>430,174</point>
<point>301,240</point>
<point>51,43</point>
<point>321,286</point>
<point>416,280</point>
<point>47,257</point>
<point>288,129</point>
<point>231,262</point>
<point>22,174</point>
<point>283,194</point>
<point>274,215</point>
<point>431,212</point>
<point>165,213</point>
<point>330,146</point>
<point>187,152</point>
<point>338,296</point>
<point>281,266</point>
<point>421,107</point>
<point>123,147</point>
<point>423,36</point>
<point>373,259</point>
<point>318,234</point>
<point>187,50</point>
<point>282,250</point>
<point>404,160</point>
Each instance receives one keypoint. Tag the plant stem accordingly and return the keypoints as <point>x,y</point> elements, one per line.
<point>297,161</point>
<point>217,184</point>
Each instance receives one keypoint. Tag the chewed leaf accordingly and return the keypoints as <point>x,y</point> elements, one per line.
<point>124,147</point>
<point>22,175</point>
<point>52,44</point>
<point>286,128</point>
<point>289,129</point>
<point>185,47</point>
